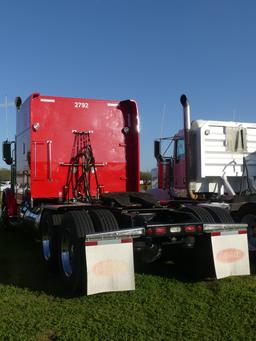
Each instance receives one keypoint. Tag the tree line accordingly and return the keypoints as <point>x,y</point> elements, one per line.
<point>5,174</point>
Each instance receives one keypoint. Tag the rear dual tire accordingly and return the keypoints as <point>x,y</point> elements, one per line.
<point>198,262</point>
<point>4,220</point>
<point>250,219</point>
<point>76,225</point>
<point>103,220</point>
<point>220,215</point>
<point>72,257</point>
<point>200,214</point>
<point>210,214</point>
<point>49,229</point>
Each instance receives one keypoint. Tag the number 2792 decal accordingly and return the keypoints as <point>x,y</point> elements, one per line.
<point>83,105</point>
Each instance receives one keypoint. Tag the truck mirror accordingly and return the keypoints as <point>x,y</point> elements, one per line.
<point>18,103</point>
<point>7,152</point>
<point>157,149</point>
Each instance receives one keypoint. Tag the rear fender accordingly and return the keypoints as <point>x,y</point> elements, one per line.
<point>10,201</point>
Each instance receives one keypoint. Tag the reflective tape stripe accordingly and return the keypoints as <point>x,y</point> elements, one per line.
<point>214,234</point>
<point>242,232</point>
<point>107,241</point>
<point>127,240</point>
<point>225,233</point>
<point>91,243</point>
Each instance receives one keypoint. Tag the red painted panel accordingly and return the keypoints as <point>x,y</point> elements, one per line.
<point>114,141</point>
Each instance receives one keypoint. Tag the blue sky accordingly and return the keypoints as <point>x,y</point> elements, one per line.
<point>148,50</point>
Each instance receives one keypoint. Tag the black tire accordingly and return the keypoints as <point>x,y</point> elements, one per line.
<point>49,227</point>
<point>4,220</point>
<point>247,215</point>
<point>76,225</point>
<point>103,220</point>
<point>250,219</point>
<point>200,214</point>
<point>220,215</point>
<point>198,262</point>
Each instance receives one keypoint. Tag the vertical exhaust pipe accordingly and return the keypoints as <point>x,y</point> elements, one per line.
<point>187,126</point>
<point>186,112</point>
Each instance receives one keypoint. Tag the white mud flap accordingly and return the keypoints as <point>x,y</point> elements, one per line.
<point>110,265</point>
<point>230,253</point>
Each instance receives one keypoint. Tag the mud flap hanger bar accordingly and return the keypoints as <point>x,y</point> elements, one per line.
<point>132,233</point>
<point>208,228</point>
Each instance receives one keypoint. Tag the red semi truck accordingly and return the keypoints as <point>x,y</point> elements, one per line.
<point>75,178</point>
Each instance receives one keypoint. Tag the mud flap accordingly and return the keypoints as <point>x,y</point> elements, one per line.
<point>110,265</point>
<point>230,254</point>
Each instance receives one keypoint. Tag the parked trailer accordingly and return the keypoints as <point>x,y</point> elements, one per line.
<point>75,178</point>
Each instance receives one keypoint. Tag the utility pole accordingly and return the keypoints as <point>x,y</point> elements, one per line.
<point>6,105</point>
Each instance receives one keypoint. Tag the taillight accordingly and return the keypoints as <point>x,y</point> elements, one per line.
<point>199,228</point>
<point>149,231</point>
<point>190,228</point>
<point>159,231</point>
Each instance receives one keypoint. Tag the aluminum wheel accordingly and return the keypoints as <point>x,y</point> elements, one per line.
<point>49,227</point>
<point>67,254</point>
<point>46,247</point>
<point>46,237</point>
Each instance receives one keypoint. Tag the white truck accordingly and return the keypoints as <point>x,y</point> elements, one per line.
<point>210,165</point>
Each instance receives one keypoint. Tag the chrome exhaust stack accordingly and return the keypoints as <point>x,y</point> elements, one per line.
<point>186,112</point>
<point>187,126</point>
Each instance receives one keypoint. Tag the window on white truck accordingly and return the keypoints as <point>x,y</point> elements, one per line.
<point>180,149</point>
<point>236,139</point>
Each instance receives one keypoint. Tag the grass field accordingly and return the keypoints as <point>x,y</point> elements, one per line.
<point>165,305</point>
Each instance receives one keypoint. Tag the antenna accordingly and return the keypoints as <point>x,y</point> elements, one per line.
<point>162,121</point>
<point>234,114</point>
<point>5,105</point>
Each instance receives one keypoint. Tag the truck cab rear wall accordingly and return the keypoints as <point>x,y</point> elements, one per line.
<point>44,154</point>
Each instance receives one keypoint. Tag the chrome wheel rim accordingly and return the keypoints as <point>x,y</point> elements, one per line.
<point>46,247</point>
<point>46,241</point>
<point>67,254</point>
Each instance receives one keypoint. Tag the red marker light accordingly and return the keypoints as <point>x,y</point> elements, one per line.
<point>190,228</point>
<point>149,232</point>
<point>160,230</point>
<point>156,231</point>
<point>199,228</point>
